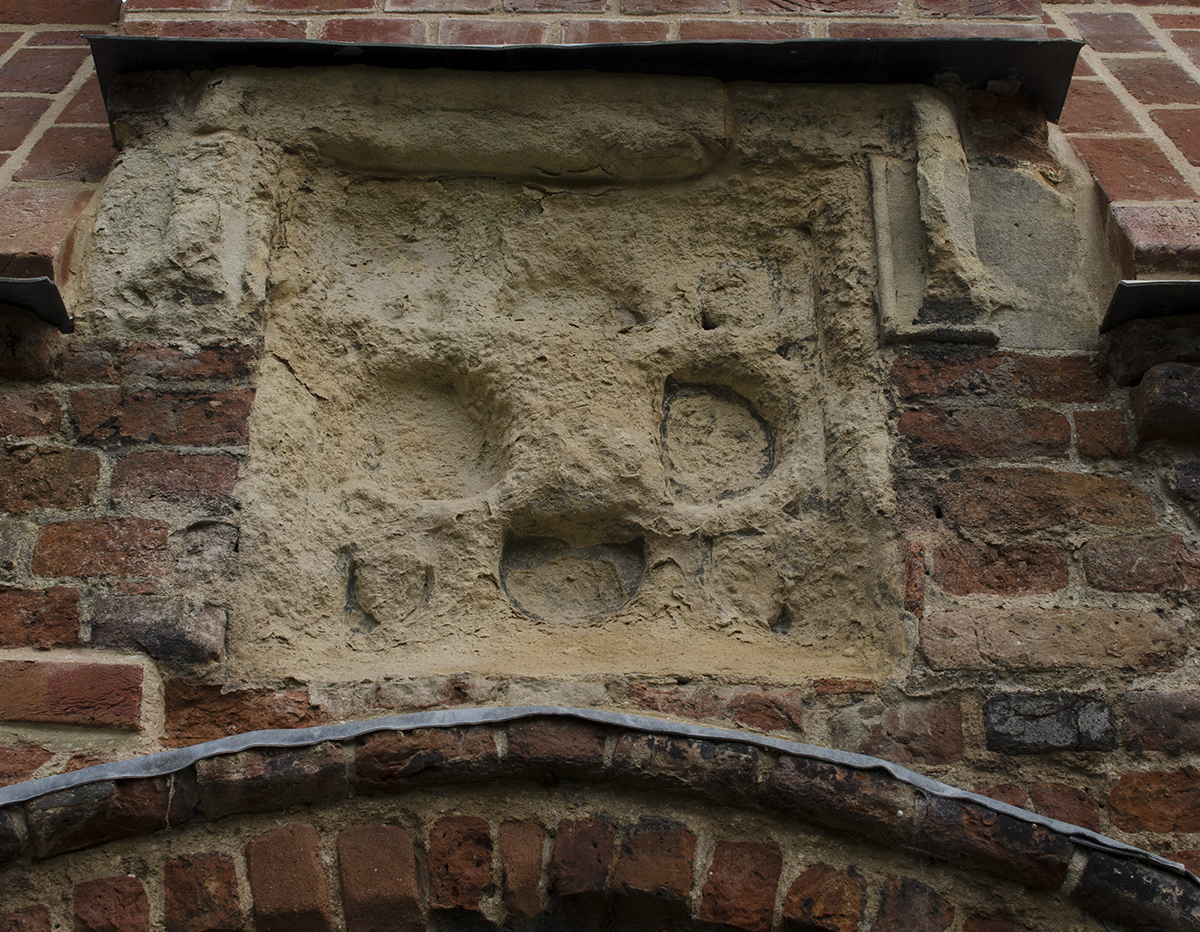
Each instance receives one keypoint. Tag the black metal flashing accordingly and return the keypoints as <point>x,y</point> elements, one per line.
<point>1144,299</point>
<point>1039,69</point>
<point>39,295</point>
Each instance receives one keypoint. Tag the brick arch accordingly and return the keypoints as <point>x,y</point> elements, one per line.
<point>544,817</point>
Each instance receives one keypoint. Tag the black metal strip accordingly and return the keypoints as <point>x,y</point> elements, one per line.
<point>1138,300</point>
<point>167,762</point>
<point>39,295</point>
<point>1039,69</point>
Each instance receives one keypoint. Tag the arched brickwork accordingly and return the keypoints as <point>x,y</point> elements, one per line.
<point>523,818</point>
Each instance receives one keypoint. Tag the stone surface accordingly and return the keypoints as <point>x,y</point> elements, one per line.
<point>460,864</point>
<point>1037,723</point>
<point>201,894</point>
<point>378,871</point>
<point>741,884</point>
<point>287,880</point>
<point>995,639</point>
<point>824,899</point>
<point>112,904</point>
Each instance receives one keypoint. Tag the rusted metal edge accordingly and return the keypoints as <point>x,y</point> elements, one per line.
<point>168,762</point>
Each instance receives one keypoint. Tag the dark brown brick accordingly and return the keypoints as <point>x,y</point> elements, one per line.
<point>460,864</point>
<point>375,29</point>
<point>44,477</point>
<point>201,894</point>
<point>674,6</point>
<point>287,880</point>
<point>390,761</point>
<point>740,890</point>
<point>924,731</point>
<point>490,32</point>
<point>17,117</point>
<point>1136,896</point>
<point>378,870</point>
<point>995,843</point>
<point>521,846</point>
<point>583,856</point>
<point>35,918</point>
<point>989,924</point>
<point>119,362</point>
<point>965,372</point>
<point>164,476</point>
<point>205,711</point>
<point>1030,499</point>
<point>962,569</point>
<point>775,7</point>
<point>722,770</point>
<point>112,904</point>
<point>69,153</point>
<point>102,547</point>
<point>577,31</point>
<point>40,71</point>
<point>654,858</point>
<point>89,12</point>
<point>1101,434</point>
<point>273,778</point>
<point>1155,81</point>
<point>39,617</point>
<point>97,813</point>
<point>1162,721</point>
<point>110,416</point>
<point>1180,127</point>
<point>28,346</point>
<point>87,106</point>
<point>558,747</point>
<point>36,415</point>
<point>1092,107</point>
<point>841,798</point>
<point>1156,801</point>
<point>824,899</point>
<point>908,905</point>
<point>1142,563</point>
<point>1138,345</point>
<point>1166,406</point>
<point>934,434</point>
<point>233,29</point>
<point>751,707</point>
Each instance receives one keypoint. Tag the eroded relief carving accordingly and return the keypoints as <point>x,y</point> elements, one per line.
<point>561,373</point>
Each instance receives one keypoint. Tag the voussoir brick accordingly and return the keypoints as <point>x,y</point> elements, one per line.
<point>557,746</point>
<point>582,858</point>
<point>460,863</point>
<point>393,761</point>
<point>741,885</point>
<point>201,894</point>
<point>824,898</point>
<point>378,871</point>
<point>112,904</point>
<point>287,880</point>
<point>654,858</point>
<point>268,779</point>
<point>721,770</point>
<point>521,845</point>
<point>98,813</point>
<point>908,905</point>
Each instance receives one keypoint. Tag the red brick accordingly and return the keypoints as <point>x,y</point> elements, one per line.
<point>944,29</point>
<point>34,223</point>
<point>1132,169</point>
<point>396,761</point>
<point>914,578</point>
<point>90,12</point>
<point>975,8</point>
<point>1189,41</point>
<point>40,71</point>
<point>1005,793</point>
<point>722,770</point>
<point>490,32</point>
<point>92,694</point>
<point>1155,81</point>
<point>764,709</point>
<point>460,863</point>
<point>99,813</point>
<point>767,709</point>
<point>1050,639</point>
<point>1102,434</point>
<point>34,918</point>
<point>287,880</point>
<point>1156,801</point>
<point>132,6</point>
<point>521,846</point>
<point>1181,20</point>
<point>1092,108</point>
<point>60,37</point>
<point>908,905</point>
<point>1066,803</point>
<point>378,870</point>
<point>234,29</point>
<point>555,6</point>
<point>271,779</point>
<point>583,855</point>
<point>725,30</point>
<point>363,30</point>
<point>1144,563</point>
<point>201,894</point>
<point>557,746</point>
<point>164,476</point>
<point>965,568</point>
<point>1162,721</point>
<point>7,39</point>
<point>69,153</point>
<point>923,731</point>
<point>1183,128</point>
<point>1163,237</point>
<point>440,6</point>
<point>308,6</point>
<point>775,7</point>
<point>87,106</point>
<point>117,362</point>
<point>36,415</point>
<point>43,477</point>
<point>608,30</point>
<point>17,117</point>
<point>160,627</point>
<point>112,904</point>
<point>826,899</point>
<point>113,416</point>
<point>968,372</point>
<point>654,858</point>
<point>40,617</point>
<point>740,890</point>
<point>102,547</point>
<point>937,434</point>
<point>674,6</point>
<point>17,764</point>
<point>205,711</point>
<point>1114,32</point>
